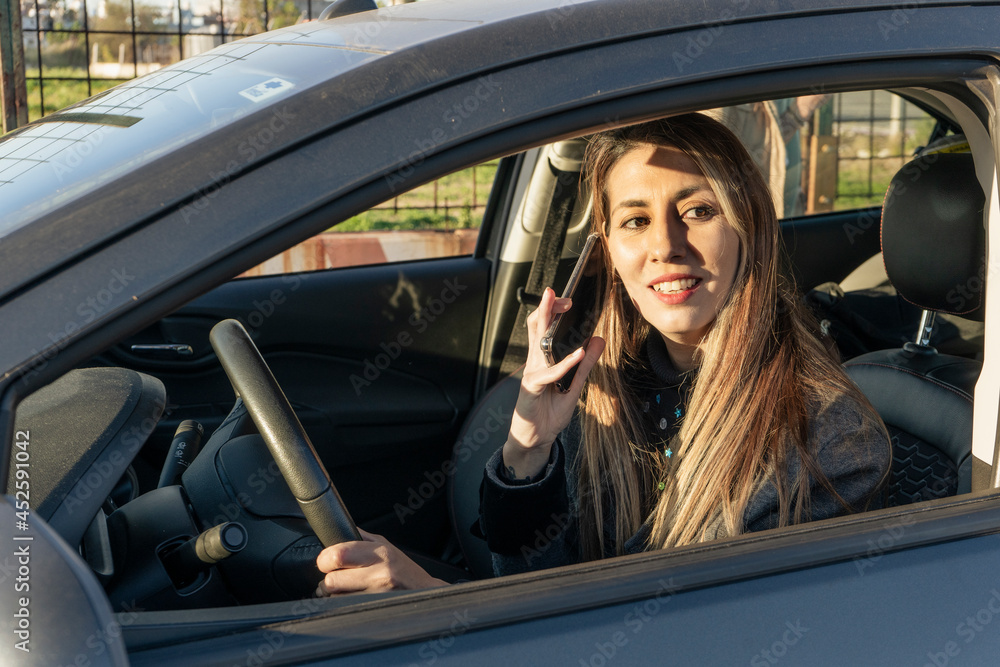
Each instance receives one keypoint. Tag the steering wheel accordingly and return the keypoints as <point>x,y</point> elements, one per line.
<point>283,433</point>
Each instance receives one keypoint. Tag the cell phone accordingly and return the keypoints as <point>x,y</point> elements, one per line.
<point>568,331</point>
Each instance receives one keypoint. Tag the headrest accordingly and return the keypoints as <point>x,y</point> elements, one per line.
<point>933,241</point>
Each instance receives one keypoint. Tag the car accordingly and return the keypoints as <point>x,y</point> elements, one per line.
<point>129,217</point>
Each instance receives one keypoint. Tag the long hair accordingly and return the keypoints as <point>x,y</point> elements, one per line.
<point>761,367</point>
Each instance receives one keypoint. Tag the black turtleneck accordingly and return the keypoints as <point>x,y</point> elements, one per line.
<point>662,392</point>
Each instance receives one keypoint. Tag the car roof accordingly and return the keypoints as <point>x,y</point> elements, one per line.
<point>347,66</point>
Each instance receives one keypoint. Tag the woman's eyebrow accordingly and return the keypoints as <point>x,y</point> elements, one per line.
<point>694,189</point>
<point>678,196</point>
<point>631,203</point>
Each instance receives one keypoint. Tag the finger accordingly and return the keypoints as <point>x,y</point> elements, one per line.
<point>341,582</point>
<point>561,305</point>
<point>539,320</point>
<point>594,349</point>
<point>541,378</point>
<point>585,357</point>
<point>346,555</point>
<point>540,317</point>
<point>371,537</point>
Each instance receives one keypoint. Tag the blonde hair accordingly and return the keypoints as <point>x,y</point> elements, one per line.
<point>761,367</point>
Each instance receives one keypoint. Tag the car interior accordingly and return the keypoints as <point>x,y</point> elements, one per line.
<point>433,347</point>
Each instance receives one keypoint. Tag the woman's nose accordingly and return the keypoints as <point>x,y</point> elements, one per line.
<point>668,242</point>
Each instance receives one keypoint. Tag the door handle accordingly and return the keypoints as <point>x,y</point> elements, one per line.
<point>163,351</point>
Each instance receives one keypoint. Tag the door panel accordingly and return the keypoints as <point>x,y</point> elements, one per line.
<point>379,363</point>
<point>828,246</point>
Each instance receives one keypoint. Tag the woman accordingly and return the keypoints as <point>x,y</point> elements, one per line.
<point>705,405</point>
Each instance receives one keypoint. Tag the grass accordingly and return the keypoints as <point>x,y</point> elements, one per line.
<point>458,204</point>
<point>867,162</point>
<point>853,189</point>
<point>61,94</point>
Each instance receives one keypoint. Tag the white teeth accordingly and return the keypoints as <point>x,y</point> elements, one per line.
<point>675,285</point>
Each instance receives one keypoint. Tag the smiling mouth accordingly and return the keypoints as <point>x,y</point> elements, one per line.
<point>675,286</point>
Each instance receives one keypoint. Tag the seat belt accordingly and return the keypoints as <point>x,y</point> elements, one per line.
<point>543,266</point>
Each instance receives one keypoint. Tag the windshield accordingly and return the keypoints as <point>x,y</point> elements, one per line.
<point>94,142</point>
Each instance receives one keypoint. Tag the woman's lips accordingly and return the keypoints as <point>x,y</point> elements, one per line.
<point>674,289</point>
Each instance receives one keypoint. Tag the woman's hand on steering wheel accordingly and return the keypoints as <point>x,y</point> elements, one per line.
<point>370,566</point>
<point>542,411</point>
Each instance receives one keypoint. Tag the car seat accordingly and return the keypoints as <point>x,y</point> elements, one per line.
<point>484,432</point>
<point>933,244</point>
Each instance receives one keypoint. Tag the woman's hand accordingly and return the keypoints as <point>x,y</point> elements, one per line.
<point>542,411</point>
<point>371,566</point>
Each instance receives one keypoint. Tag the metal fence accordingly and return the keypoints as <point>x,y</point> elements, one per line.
<point>877,133</point>
<point>77,48</point>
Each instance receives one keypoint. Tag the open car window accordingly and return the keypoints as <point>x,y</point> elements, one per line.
<point>423,487</point>
<point>438,219</point>
<point>386,354</point>
<point>826,152</point>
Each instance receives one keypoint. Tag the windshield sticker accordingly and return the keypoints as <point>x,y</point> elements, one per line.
<point>266,90</point>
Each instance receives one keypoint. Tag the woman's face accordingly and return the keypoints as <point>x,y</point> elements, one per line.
<point>671,245</point>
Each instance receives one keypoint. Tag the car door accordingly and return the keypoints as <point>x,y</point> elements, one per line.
<point>383,361</point>
<point>379,361</point>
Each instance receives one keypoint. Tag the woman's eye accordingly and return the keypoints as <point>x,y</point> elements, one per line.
<point>633,223</point>
<point>699,213</point>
